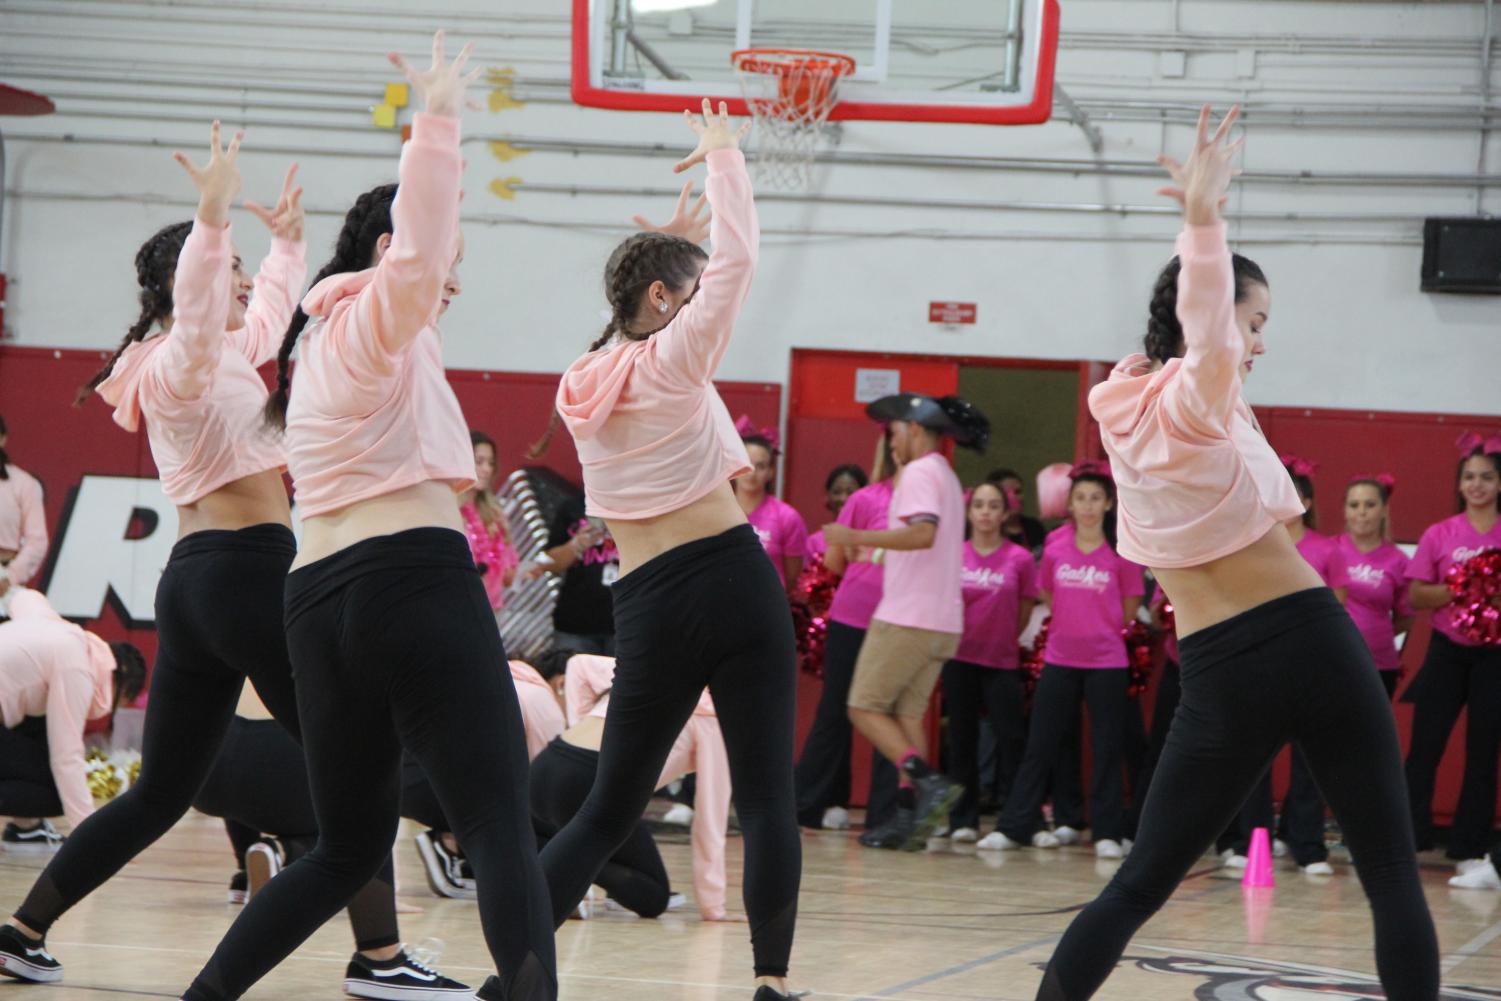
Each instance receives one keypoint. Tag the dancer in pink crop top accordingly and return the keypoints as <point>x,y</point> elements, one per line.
<point>1268,652</point>
<point>697,603</point>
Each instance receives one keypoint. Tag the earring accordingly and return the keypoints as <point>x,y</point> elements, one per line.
<point>662,308</point>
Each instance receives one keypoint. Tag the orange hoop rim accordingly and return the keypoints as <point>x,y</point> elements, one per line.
<point>780,62</point>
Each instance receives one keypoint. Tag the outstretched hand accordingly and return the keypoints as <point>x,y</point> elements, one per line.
<point>692,224</point>
<point>442,84</point>
<point>217,181</point>
<point>714,132</point>
<point>1200,184</point>
<point>286,220</point>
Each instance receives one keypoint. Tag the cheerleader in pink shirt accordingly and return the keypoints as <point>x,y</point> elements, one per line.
<point>838,487</point>
<point>1457,672</point>
<point>777,523</point>
<point>485,524</point>
<point>1092,593</point>
<point>1375,573</point>
<point>1268,652</point>
<point>1000,590</point>
<point>23,523</point>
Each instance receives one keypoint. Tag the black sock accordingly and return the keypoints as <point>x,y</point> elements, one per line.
<point>906,797</point>
<point>916,767</point>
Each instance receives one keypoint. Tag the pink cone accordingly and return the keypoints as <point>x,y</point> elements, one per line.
<point>1259,861</point>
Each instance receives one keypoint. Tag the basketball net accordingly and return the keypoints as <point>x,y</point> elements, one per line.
<point>790,93</point>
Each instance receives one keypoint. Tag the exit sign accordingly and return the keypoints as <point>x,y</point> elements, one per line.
<point>951,312</point>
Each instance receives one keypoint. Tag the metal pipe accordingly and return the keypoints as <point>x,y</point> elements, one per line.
<point>1012,68</point>
<point>1485,97</point>
<point>1080,117</point>
<point>653,56</point>
<point>620,29</point>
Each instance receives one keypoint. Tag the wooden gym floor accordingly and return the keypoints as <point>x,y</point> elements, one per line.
<point>940,926</point>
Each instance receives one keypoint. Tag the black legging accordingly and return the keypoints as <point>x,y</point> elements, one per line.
<point>1451,678</point>
<point>27,788</point>
<point>967,690</point>
<point>711,612</point>
<point>218,621</point>
<point>1292,669</point>
<point>395,644</point>
<point>822,775</point>
<point>1055,709</point>
<point>635,876</point>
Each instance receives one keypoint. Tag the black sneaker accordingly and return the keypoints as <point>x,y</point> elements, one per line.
<point>263,860</point>
<point>399,979</point>
<point>894,833</point>
<point>936,796</point>
<point>42,839</point>
<point>27,959</point>
<point>768,993</point>
<point>444,869</point>
<point>491,990</point>
<point>237,887</point>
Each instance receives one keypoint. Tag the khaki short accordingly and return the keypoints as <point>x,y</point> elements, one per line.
<point>898,668</point>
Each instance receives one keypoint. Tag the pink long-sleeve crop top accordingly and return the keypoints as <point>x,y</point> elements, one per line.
<point>23,523</point>
<point>371,409</point>
<point>653,435</point>
<point>1196,478</point>
<point>197,385</point>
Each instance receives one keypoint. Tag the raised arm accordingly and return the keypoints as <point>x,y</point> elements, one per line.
<point>201,284</point>
<point>694,343</point>
<point>1207,388</point>
<point>278,283</point>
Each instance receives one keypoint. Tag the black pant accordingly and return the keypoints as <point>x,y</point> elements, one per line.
<point>27,788</point>
<point>967,690</point>
<point>823,769</point>
<point>1292,669</point>
<point>1451,678</point>
<point>710,612</point>
<point>1060,691</point>
<point>1169,691</point>
<point>635,876</point>
<point>394,644</point>
<point>218,621</point>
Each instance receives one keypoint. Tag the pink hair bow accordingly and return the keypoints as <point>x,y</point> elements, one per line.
<point>1471,440</point>
<point>1387,480</point>
<point>746,428</point>
<point>1096,467</point>
<point>1299,466</point>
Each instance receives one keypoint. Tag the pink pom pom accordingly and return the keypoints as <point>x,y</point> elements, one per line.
<point>1053,485</point>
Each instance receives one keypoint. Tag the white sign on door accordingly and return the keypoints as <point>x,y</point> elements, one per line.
<point>873,383</point>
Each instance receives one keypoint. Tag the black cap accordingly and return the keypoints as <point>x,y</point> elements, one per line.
<point>950,415</point>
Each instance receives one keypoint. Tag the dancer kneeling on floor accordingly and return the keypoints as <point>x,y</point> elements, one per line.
<point>917,625</point>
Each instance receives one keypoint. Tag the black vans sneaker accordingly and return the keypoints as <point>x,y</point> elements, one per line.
<point>445,870</point>
<point>27,958</point>
<point>399,979</point>
<point>39,840</point>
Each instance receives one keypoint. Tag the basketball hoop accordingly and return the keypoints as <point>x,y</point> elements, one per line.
<point>790,93</point>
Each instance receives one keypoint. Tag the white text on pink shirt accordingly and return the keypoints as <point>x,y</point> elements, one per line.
<point>1093,578</point>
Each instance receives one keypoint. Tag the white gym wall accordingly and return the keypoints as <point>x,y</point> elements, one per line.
<point>1380,103</point>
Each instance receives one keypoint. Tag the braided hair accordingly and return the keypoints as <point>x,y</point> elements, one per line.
<point>364,225</point>
<point>1164,340</point>
<point>156,265</point>
<point>639,261</point>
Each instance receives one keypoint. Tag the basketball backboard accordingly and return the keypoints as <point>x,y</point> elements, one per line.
<point>976,61</point>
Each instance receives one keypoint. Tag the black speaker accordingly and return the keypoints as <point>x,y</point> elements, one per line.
<point>1462,255</point>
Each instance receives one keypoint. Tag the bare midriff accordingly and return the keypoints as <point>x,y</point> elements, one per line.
<point>587,733</point>
<point>641,540</point>
<point>258,499</point>
<point>430,504</point>
<point>1267,569</point>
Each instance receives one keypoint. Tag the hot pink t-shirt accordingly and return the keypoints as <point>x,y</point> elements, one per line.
<point>922,589</point>
<point>816,545</point>
<point>994,588</point>
<point>781,531</point>
<point>859,590</point>
<point>1088,617</point>
<point>1323,554</point>
<point>1377,594</point>
<point>1453,540</point>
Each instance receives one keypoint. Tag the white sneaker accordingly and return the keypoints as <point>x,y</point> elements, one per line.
<point>1067,835</point>
<point>1233,861</point>
<point>965,836</point>
<point>586,908</point>
<point>1045,839</point>
<point>1108,849</point>
<point>1318,869</point>
<point>836,818</point>
<point>995,841</point>
<point>676,902</point>
<point>681,815</point>
<point>1127,845</point>
<point>1465,866</point>
<point>941,831</point>
<point>1480,877</point>
<point>1279,848</point>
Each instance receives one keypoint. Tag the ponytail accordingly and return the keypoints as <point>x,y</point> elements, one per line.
<point>1164,339</point>
<point>366,222</point>
<point>156,265</point>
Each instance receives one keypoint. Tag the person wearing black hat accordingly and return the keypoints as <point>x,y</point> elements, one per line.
<point>918,623</point>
